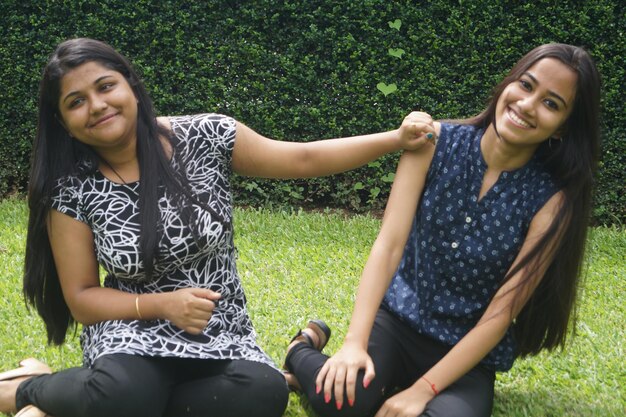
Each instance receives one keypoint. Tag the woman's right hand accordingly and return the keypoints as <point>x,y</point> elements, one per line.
<point>417,129</point>
<point>190,309</point>
<point>339,373</point>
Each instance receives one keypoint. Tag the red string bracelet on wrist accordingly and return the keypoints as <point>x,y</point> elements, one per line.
<point>432,386</point>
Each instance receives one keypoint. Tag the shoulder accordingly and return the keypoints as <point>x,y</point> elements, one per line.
<point>540,182</point>
<point>455,138</point>
<point>554,203</point>
<point>69,185</point>
<point>67,196</point>
<point>164,121</point>
<point>546,215</point>
<point>457,130</point>
<point>202,135</point>
<point>211,123</point>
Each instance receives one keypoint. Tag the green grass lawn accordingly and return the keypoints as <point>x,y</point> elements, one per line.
<point>298,265</point>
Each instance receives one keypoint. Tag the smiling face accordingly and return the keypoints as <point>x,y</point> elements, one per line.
<point>534,107</point>
<point>98,107</point>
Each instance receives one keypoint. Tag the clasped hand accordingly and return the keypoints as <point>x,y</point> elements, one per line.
<point>416,129</point>
<point>190,309</point>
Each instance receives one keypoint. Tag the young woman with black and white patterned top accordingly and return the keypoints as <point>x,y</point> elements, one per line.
<point>148,199</point>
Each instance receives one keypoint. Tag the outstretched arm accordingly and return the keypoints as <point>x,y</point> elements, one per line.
<point>73,249</point>
<point>341,370</point>
<point>256,155</point>
<point>491,328</point>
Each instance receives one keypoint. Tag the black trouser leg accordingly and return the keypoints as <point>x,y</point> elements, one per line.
<point>117,385</point>
<point>306,362</point>
<point>230,389</point>
<point>400,357</point>
<point>128,385</point>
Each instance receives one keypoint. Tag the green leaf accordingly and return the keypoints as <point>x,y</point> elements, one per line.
<point>389,177</point>
<point>395,24</point>
<point>386,89</point>
<point>397,52</point>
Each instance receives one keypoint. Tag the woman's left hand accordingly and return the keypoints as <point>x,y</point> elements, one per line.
<point>408,403</point>
<point>417,129</point>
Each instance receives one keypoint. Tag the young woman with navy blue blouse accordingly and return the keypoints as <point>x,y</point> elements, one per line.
<point>478,256</point>
<point>148,200</point>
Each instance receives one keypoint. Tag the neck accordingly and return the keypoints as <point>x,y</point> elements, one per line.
<point>501,155</point>
<point>120,165</point>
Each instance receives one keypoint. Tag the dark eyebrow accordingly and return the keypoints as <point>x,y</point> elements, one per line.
<point>552,93</point>
<point>74,93</point>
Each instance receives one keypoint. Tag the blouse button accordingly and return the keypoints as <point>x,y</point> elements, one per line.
<point>454,245</point>
<point>468,219</point>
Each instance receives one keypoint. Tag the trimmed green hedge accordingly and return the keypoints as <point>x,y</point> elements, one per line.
<point>305,69</point>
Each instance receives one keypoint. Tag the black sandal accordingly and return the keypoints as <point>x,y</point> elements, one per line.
<point>322,331</point>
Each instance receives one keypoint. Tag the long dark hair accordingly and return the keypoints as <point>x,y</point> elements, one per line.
<point>56,155</point>
<point>545,320</point>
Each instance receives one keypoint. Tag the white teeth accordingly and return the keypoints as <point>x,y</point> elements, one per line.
<point>517,120</point>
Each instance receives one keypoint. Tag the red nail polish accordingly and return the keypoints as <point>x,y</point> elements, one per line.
<point>317,389</point>
<point>366,383</point>
<point>339,405</point>
<point>326,398</point>
<point>351,402</point>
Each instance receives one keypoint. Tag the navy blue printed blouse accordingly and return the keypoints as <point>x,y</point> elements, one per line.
<point>460,248</point>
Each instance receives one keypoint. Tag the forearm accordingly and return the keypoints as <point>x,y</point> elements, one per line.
<point>465,355</point>
<point>96,304</point>
<point>331,156</point>
<point>336,155</point>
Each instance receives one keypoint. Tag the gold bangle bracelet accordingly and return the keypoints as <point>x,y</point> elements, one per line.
<point>137,308</point>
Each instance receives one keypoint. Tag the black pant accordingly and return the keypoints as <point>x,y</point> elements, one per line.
<point>127,385</point>
<point>400,357</point>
